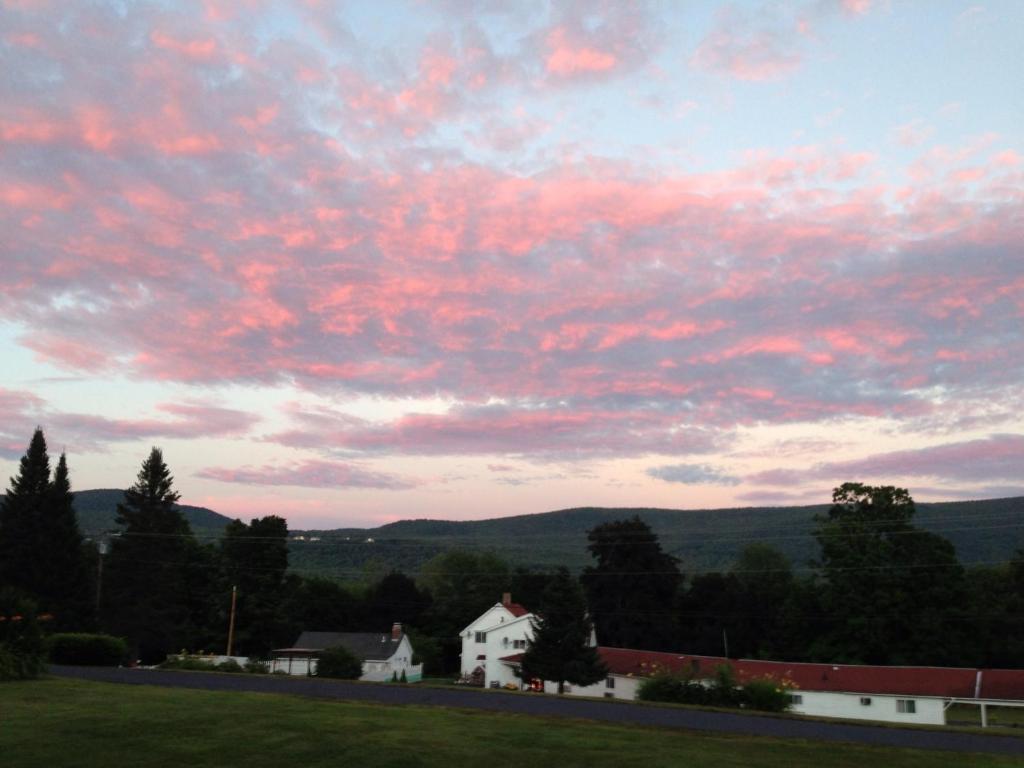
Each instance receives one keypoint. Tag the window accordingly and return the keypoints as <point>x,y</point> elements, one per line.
<point>907,706</point>
<point>796,699</point>
<point>865,701</point>
<point>481,637</point>
<point>609,682</point>
<point>518,643</point>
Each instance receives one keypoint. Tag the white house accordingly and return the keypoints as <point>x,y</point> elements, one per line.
<point>502,630</point>
<point>384,656</point>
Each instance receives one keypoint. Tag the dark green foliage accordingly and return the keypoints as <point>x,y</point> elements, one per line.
<point>86,649</point>
<point>631,586</point>
<point>395,597</point>
<point>21,641</point>
<point>254,559</point>
<point>744,606</point>
<point>314,602</point>
<point>462,585</point>
<point>720,691</point>
<point>394,677</point>
<point>765,695</point>
<point>560,650</point>
<point>41,550</point>
<point>403,678</point>
<point>888,588</point>
<point>426,651</point>
<point>230,665</point>
<point>339,662</point>
<point>146,594</point>
<point>257,667</point>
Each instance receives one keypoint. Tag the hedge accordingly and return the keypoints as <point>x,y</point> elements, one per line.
<point>86,649</point>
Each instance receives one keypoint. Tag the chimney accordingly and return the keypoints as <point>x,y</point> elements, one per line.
<point>396,631</point>
<point>506,599</point>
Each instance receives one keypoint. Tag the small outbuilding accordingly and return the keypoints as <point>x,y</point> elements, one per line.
<point>384,656</point>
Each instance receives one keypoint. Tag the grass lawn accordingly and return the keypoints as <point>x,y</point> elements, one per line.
<point>69,723</point>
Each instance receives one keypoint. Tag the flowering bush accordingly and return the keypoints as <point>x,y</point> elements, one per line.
<point>21,642</point>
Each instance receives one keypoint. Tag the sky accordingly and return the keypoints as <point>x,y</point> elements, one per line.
<point>351,263</point>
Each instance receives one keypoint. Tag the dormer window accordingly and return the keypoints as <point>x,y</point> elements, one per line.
<point>481,637</point>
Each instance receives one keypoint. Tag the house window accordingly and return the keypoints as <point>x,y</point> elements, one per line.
<point>481,637</point>
<point>609,682</point>
<point>796,699</point>
<point>865,701</point>
<point>518,643</point>
<point>907,706</point>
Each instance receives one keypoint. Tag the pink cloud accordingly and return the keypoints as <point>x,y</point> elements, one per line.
<point>566,59</point>
<point>310,474</point>
<point>999,457</point>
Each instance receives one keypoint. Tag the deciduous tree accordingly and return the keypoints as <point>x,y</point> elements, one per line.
<point>632,588</point>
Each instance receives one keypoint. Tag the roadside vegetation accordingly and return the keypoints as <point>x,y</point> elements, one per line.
<point>77,724</point>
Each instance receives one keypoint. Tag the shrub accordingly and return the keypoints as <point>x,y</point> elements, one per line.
<point>21,642</point>
<point>675,688</point>
<point>766,694</point>
<point>403,678</point>
<point>257,667</point>
<point>340,663</point>
<point>229,665</point>
<point>87,649</point>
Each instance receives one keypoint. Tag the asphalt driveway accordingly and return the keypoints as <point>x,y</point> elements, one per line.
<point>552,706</point>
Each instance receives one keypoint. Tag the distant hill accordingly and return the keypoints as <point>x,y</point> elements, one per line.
<point>97,510</point>
<point>982,532</point>
<point>987,531</point>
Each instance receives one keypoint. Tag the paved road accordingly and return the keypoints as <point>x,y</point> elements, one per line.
<point>551,706</point>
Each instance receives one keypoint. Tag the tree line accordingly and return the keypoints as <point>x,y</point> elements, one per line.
<point>881,590</point>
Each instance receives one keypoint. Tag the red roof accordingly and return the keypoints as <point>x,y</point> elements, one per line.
<point>949,682</point>
<point>945,682</point>
<point>515,609</point>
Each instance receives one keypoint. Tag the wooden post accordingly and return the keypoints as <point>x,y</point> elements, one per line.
<point>231,623</point>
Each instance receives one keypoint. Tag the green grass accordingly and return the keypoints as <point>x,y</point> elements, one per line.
<point>72,723</point>
<point>998,717</point>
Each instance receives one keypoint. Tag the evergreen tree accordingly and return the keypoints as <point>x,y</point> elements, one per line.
<point>633,586</point>
<point>21,516</point>
<point>146,597</point>
<point>68,580</point>
<point>560,650</point>
<point>41,550</point>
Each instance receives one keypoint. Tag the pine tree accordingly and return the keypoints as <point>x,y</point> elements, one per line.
<point>40,544</point>
<point>68,580</point>
<point>560,650</point>
<point>20,518</point>
<point>146,597</point>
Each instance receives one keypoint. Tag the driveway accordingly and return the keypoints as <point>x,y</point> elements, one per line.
<point>551,706</point>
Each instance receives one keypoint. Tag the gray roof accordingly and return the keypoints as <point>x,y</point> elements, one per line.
<point>365,646</point>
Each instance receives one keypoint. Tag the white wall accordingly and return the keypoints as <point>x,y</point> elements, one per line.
<point>503,630</point>
<point>928,711</point>
<point>376,671</point>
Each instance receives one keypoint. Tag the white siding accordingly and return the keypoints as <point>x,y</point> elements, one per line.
<point>928,710</point>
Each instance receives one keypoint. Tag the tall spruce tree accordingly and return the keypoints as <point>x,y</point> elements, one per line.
<point>21,518</point>
<point>146,592</point>
<point>41,549</point>
<point>633,586</point>
<point>560,650</point>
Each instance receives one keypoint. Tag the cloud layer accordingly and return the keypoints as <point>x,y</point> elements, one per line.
<point>274,196</point>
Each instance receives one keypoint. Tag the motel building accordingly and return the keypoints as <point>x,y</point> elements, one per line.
<point>493,645</point>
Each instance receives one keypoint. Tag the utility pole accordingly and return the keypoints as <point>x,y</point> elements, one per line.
<point>231,623</point>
